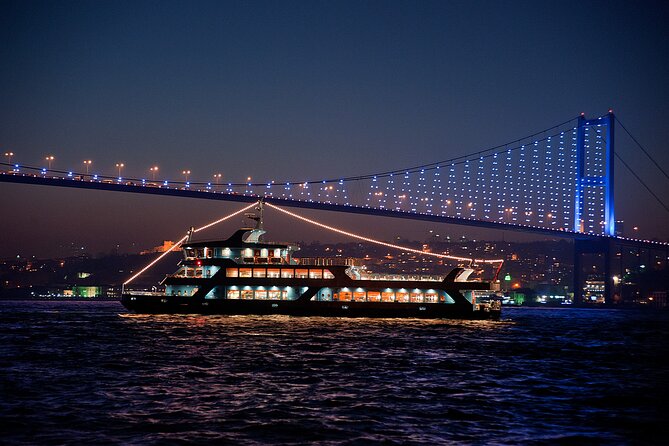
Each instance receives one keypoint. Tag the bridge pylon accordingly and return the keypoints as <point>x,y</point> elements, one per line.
<point>594,199</point>
<point>604,248</point>
<point>594,170</point>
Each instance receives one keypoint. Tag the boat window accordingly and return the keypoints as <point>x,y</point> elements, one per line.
<point>417,296</point>
<point>273,272</point>
<point>301,273</point>
<point>315,273</point>
<point>247,294</point>
<point>287,273</point>
<point>244,272</point>
<point>233,294</point>
<point>327,274</point>
<point>275,294</point>
<point>190,253</point>
<point>359,296</point>
<point>181,272</point>
<point>211,270</point>
<point>401,296</point>
<point>248,252</point>
<point>344,295</point>
<point>200,253</point>
<point>258,272</point>
<point>373,296</point>
<point>387,296</point>
<point>198,272</point>
<point>208,252</point>
<point>431,296</point>
<point>231,272</point>
<point>261,294</point>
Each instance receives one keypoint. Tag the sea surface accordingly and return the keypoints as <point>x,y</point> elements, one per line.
<point>90,373</point>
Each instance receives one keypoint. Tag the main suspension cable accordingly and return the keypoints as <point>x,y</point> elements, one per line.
<point>642,182</point>
<point>642,149</point>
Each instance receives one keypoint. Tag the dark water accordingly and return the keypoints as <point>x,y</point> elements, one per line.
<point>83,373</point>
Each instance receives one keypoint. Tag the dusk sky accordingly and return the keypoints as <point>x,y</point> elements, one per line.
<point>306,90</point>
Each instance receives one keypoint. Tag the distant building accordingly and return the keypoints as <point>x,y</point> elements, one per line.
<point>87,291</point>
<point>593,291</point>
<point>166,246</point>
<point>658,299</point>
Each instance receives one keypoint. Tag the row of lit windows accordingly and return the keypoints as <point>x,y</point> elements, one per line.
<point>283,273</point>
<point>418,296</point>
<point>359,295</point>
<point>208,253</point>
<point>206,272</point>
<point>258,294</point>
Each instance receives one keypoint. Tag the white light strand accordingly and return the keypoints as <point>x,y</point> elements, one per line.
<point>378,242</point>
<point>177,244</point>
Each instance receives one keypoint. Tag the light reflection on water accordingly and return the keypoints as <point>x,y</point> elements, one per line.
<point>89,372</point>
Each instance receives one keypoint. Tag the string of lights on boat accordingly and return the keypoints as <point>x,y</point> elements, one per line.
<point>469,260</point>
<point>525,183</point>
<point>185,237</point>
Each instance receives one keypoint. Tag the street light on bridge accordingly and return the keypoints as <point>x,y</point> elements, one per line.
<point>87,163</point>
<point>186,173</point>
<point>119,166</point>
<point>49,159</point>
<point>153,170</point>
<point>217,178</point>
<point>9,156</point>
<point>508,212</point>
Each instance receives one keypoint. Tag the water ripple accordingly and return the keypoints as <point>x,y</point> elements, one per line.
<point>74,373</point>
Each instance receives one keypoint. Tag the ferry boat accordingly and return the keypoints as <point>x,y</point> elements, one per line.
<point>245,275</point>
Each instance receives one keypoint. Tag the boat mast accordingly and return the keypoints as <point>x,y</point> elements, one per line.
<point>259,219</point>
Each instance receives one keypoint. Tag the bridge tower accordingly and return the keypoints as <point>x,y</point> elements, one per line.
<point>590,174</point>
<point>594,172</point>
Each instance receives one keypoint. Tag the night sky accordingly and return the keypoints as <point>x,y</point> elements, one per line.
<point>305,90</point>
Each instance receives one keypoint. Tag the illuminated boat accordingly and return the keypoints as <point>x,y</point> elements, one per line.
<point>245,275</point>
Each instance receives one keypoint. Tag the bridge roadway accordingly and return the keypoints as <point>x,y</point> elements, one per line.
<point>223,196</point>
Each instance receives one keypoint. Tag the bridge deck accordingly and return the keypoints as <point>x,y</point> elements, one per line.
<point>212,195</point>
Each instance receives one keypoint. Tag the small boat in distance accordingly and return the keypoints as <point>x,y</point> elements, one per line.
<point>246,275</point>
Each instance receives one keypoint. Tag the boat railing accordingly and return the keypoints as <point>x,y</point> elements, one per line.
<point>401,277</point>
<point>326,261</point>
<point>148,293</point>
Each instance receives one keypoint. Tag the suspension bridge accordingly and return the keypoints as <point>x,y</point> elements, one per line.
<point>558,182</point>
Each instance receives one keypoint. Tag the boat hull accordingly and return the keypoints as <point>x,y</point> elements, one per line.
<point>144,304</point>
